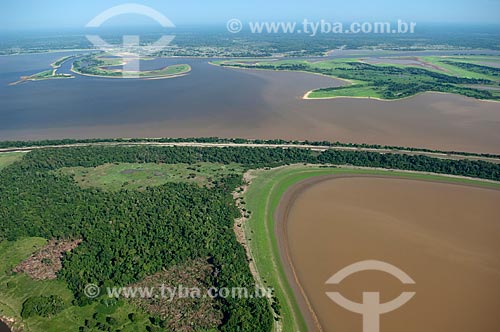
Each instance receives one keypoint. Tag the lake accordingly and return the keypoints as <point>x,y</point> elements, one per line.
<point>444,236</point>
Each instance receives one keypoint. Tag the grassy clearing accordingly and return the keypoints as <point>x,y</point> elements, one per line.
<point>173,70</point>
<point>9,157</point>
<point>446,64</point>
<point>170,70</point>
<point>74,317</point>
<point>16,288</point>
<point>357,91</point>
<point>13,253</point>
<point>108,61</point>
<point>262,199</point>
<point>48,75</point>
<point>140,176</point>
<point>387,81</point>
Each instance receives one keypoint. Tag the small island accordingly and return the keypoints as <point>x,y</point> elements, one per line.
<point>110,66</point>
<point>48,74</point>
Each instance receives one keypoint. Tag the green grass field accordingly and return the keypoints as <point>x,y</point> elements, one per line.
<point>140,176</point>
<point>355,91</point>
<point>9,158</point>
<point>391,81</point>
<point>173,70</point>
<point>170,70</point>
<point>262,199</point>
<point>108,60</point>
<point>48,75</point>
<point>444,62</point>
<point>16,288</point>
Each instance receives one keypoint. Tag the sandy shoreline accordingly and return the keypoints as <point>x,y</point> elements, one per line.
<point>281,217</point>
<point>308,93</point>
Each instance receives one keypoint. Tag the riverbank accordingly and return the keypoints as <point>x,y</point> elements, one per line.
<point>307,96</point>
<point>263,198</point>
<point>379,82</point>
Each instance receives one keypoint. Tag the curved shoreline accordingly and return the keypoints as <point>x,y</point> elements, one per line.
<point>346,82</point>
<point>281,215</point>
<point>188,70</point>
<point>143,78</point>
<point>308,93</point>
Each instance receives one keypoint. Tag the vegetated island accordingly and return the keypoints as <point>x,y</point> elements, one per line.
<point>110,66</point>
<point>470,76</point>
<point>146,215</point>
<point>48,74</point>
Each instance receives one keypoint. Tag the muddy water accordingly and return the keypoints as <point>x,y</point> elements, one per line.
<point>446,237</point>
<point>393,61</point>
<point>215,101</point>
<point>4,327</point>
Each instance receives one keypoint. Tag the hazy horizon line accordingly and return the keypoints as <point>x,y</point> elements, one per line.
<point>222,25</point>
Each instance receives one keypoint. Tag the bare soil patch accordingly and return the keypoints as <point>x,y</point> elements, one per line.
<point>46,262</point>
<point>184,311</point>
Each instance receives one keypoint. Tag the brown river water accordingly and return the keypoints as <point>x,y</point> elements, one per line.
<point>215,101</point>
<point>444,236</point>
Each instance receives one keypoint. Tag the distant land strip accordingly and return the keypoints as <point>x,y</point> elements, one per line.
<point>26,146</point>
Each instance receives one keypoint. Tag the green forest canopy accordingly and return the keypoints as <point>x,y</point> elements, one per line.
<point>130,234</point>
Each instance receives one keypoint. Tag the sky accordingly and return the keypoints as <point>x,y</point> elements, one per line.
<point>55,14</point>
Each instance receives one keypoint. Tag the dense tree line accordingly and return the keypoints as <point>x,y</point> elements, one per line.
<point>478,169</point>
<point>252,157</point>
<point>56,142</point>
